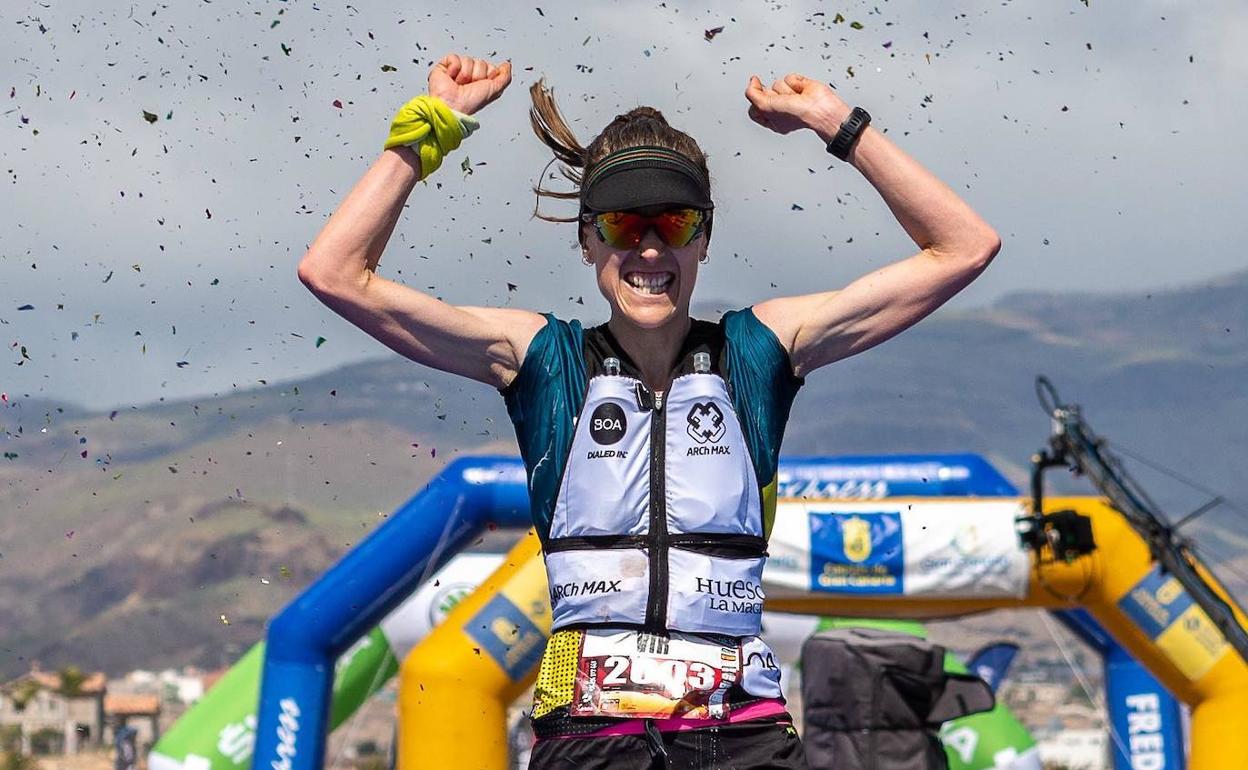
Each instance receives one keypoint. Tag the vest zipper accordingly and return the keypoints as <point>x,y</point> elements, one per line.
<point>656,603</point>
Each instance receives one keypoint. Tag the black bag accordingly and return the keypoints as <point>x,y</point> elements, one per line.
<point>873,700</point>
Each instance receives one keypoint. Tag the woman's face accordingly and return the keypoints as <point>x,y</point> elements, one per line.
<point>649,285</point>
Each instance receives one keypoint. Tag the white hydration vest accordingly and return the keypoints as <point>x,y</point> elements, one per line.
<point>658,523</point>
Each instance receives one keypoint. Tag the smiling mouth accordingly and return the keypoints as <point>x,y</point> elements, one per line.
<point>650,283</point>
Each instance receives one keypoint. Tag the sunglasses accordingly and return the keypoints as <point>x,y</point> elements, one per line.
<point>624,229</point>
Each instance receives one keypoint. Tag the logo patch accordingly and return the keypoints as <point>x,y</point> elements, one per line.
<point>607,424</point>
<point>856,534</point>
<point>706,422</point>
<point>857,553</point>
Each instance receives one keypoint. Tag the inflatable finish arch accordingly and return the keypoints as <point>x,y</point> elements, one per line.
<point>829,557</point>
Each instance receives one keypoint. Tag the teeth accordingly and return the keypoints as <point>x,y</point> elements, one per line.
<point>649,283</point>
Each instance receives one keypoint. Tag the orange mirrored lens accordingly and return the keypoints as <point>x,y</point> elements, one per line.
<point>624,230</point>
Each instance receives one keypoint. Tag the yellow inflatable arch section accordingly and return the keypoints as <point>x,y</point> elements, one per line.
<point>456,685</point>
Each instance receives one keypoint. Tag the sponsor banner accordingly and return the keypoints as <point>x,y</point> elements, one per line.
<point>428,607</point>
<point>1149,723</point>
<point>877,477</point>
<point>965,549</point>
<point>994,740</point>
<point>507,635</point>
<point>939,548</point>
<point>219,731</point>
<point>1165,611</point>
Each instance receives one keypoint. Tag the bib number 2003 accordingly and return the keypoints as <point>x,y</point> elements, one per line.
<point>675,676</point>
<point>688,679</point>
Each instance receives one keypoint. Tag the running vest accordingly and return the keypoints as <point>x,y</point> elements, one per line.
<point>653,513</point>
<point>658,522</point>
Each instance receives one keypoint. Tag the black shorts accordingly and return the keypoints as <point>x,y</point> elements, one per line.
<point>753,745</point>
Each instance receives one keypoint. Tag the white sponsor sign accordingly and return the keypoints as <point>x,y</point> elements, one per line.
<point>425,609</point>
<point>945,548</point>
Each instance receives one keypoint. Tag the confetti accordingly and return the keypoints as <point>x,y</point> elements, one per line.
<point>150,117</point>
<point>320,341</point>
<point>711,33</point>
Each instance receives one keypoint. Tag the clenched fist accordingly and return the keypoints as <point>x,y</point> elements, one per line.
<point>794,102</point>
<point>467,84</point>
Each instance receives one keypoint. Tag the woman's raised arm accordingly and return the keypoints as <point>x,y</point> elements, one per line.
<point>340,267</point>
<point>955,243</point>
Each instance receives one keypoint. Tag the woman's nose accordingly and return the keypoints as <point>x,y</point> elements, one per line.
<point>651,245</point>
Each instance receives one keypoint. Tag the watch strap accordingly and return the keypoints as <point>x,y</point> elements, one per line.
<point>851,129</point>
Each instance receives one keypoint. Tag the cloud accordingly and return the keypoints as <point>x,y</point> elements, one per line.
<point>975,95</point>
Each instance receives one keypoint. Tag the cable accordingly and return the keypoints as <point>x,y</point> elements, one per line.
<point>1098,702</point>
<point>1179,477</point>
<point>355,717</point>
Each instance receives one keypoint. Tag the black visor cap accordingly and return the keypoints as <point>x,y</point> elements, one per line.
<point>643,184</point>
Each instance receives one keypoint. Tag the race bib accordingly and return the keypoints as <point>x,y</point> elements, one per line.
<point>648,676</point>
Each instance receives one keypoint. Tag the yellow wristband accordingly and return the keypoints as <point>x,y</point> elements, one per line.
<point>430,127</point>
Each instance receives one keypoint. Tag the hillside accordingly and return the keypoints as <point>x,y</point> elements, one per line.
<point>186,524</point>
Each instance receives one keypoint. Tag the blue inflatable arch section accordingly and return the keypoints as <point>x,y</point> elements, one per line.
<point>305,639</point>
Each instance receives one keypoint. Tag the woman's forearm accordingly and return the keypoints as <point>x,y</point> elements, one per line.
<point>929,211</point>
<point>347,249</point>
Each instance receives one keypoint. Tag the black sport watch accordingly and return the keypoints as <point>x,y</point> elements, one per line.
<point>851,129</point>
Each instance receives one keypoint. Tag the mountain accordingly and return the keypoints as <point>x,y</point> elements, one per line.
<point>169,533</point>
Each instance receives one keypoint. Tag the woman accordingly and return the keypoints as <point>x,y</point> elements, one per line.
<point>651,441</point>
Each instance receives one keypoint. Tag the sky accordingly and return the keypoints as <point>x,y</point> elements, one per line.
<point>166,165</point>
